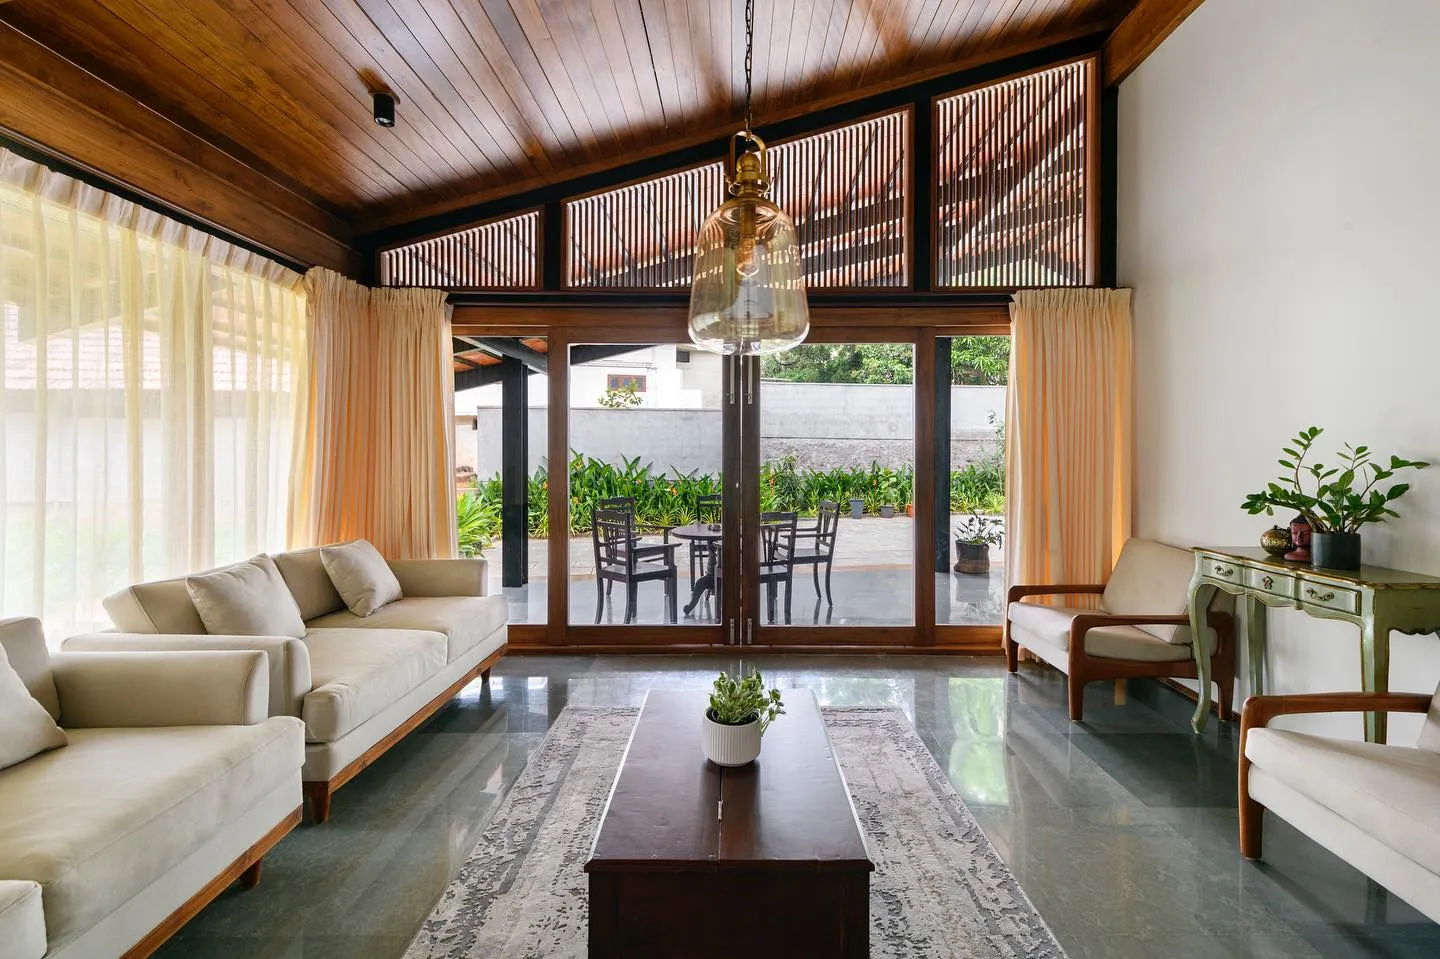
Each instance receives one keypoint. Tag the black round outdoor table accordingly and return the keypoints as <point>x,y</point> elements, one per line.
<point>709,534</point>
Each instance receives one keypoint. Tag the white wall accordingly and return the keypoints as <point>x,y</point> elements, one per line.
<point>1279,221</point>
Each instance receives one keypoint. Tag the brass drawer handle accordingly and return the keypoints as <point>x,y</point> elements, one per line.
<point>1268,582</point>
<point>1224,570</point>
<point>1324,597</point>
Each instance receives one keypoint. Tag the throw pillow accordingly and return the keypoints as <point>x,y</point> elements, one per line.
<point>25,726</point>
<point>247,599</point>
<point>361,576</point>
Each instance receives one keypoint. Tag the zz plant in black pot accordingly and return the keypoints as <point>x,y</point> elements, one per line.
<point>1335,500</point>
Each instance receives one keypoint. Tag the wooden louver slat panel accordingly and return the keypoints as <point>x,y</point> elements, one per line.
<point>499,255</point>
<point>1011,185</point>
<point>844,188</point>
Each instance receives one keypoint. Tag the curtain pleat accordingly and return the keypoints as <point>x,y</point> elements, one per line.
<point>376,441</point>
<point>148,404</point>
<point>1069,426</point>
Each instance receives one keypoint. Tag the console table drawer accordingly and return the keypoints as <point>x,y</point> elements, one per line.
<point>1220,569</point>
<point>1269,581</point>
<point>1329,597</point>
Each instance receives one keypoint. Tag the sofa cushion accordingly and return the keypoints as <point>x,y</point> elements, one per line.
<point>1151,577</point>
<point>1429,732</point>
<point>1391,792</point>
<point>465,620</point>
<point>23,640</point>
<point>361,576</point>
<point>247,599</point>
<point>22,920</point>
<point>26,729</point>
<point>305,574</point>
<point>162,606</point>
<point>359,672</point>
<point>100,820</point>
<point>1051,625</point>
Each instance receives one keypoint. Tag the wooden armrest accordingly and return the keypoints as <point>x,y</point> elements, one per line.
<point>1016,593</point>
<point>1089,620</point>
<point>655,549</point>
<point>1259,710</point>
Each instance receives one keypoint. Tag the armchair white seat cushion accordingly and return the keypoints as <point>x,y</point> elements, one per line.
<point>464,620</point>
<point>99,821</point>
<point>22,920</point>
<point>1390,792</point>
<point>1045,630</point>
<point>357,673</point>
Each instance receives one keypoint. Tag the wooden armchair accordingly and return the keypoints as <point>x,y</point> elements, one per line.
<point>1140,628</point>
<point>1373,805</point>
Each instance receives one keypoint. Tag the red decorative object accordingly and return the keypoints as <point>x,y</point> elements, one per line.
<point>1300,536</point>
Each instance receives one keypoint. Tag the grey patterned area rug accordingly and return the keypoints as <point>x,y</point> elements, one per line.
<point>939,888</point>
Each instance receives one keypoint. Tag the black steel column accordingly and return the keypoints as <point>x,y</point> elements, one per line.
<point>922,198</point>
<point>514,471</point>
<point>943,376</point>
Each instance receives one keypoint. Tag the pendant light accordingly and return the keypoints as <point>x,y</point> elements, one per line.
<point>748,296</point>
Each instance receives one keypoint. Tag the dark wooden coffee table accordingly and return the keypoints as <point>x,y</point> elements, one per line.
<point>695,861</point>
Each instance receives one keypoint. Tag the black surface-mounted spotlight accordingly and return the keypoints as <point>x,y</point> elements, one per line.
<point>385,109</point>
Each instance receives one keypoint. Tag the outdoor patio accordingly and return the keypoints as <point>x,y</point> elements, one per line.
<point>872,584</point>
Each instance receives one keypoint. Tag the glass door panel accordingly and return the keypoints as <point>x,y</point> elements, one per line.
<point>970,568</point>
<point>501,491</point>
<point>837,450</point>
<point>646,429</point>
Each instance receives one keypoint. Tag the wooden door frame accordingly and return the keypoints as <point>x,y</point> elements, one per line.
<point>565,326</point>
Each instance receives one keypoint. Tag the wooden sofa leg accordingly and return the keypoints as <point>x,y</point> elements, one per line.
<point>250,878</point>
<point>484,676</point>
<point>319,795</point>
<point>1252,824</point>
<point>1075,693</point>
<point>1012,653</point>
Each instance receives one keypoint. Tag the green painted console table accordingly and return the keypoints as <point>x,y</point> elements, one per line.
<point>1377,600</point>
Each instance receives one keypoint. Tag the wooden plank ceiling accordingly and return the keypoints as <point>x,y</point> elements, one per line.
<point>498,96</point>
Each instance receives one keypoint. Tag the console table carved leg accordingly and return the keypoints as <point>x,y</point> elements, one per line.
<point>1200,595</point>
<point>1256,619</point>
<point>1375,671</point>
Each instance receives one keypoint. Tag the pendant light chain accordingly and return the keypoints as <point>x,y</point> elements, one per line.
<point>749,49</point>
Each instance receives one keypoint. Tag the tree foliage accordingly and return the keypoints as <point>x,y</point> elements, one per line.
<point>976,361</point>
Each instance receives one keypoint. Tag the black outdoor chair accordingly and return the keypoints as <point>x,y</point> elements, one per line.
<point>777,545</point>
<point>621,558</point>
<point>815,547</point>
<point>709,508</point>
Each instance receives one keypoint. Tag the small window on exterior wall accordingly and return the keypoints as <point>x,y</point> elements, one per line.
<point>1012,185</point>
<point>625,381</point>
<point>499,255</point>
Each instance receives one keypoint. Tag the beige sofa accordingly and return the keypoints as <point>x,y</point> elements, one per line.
<point>173,785</point>
<point>360,684</point>
<point>1375,806</point>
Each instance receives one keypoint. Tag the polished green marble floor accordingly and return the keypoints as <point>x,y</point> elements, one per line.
<point>1121,829</point>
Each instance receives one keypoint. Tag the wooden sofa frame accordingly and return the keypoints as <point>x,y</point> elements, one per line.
<point>1084,668</point>
<point>1258,712</point>
<point>320,793</point>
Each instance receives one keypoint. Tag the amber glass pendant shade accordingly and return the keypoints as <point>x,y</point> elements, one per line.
<point>748,296</point>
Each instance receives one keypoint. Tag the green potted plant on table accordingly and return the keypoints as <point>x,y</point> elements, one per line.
<point>973,540</point>
<point>740,712</point>
<point>1345,497</point>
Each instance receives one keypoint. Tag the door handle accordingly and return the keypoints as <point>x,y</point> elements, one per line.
<point>749,637</point>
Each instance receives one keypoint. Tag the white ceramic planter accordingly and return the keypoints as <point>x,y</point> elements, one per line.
<point>730,745</point>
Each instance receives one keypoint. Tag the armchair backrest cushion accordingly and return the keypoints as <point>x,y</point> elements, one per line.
<point>1430,732</point>
<point>162,606</point>
<point>26,728</point>
<point>23,640</point>
<point>1151,577</point>
<point>309,583</point>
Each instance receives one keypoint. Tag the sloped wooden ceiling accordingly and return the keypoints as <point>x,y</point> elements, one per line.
<point>497,95</point>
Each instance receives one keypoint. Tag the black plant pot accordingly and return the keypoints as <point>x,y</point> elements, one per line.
<point>1335,550</point>
<point>972,558</point>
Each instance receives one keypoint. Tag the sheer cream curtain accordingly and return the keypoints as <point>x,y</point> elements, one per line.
<point>376,439</point>
<point>1068,427</point>
<point>148,406</point>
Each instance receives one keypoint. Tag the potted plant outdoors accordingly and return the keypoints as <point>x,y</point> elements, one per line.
<point>857,507</point>
<point>1345,498</point>
<point>973,541</point>
<point>740,712</point>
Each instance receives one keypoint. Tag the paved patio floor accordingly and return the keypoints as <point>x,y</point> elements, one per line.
<point>873,584</point>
